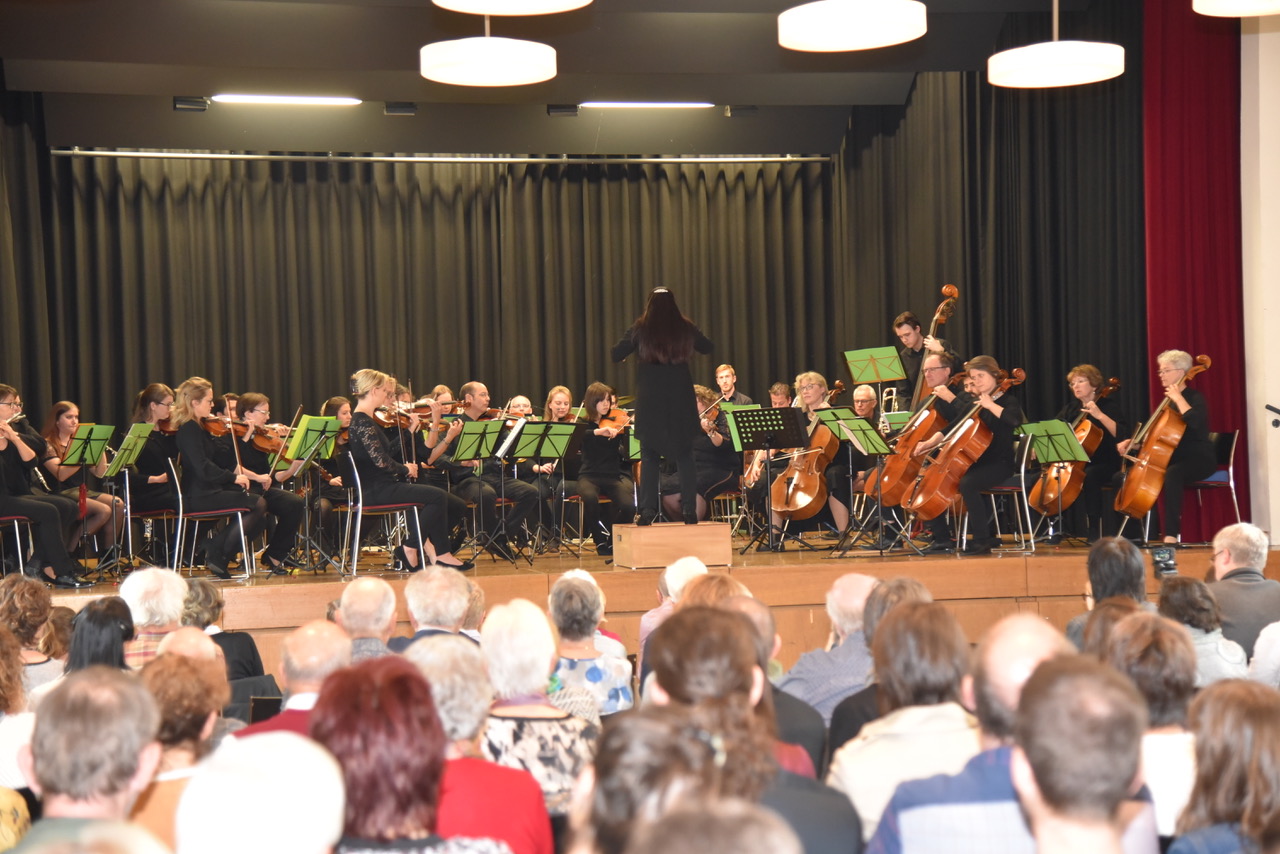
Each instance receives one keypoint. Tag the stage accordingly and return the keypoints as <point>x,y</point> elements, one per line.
<point>979,590</point>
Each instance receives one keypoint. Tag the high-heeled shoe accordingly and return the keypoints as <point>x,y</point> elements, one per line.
<point>399,561</point>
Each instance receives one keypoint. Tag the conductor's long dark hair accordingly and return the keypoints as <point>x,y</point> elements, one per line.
<point>663,334</point>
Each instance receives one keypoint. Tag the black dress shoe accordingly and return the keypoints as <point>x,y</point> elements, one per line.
<point>68,582</point>
<point>502,549</point>
<point>461,567</point>
<point>691,518</point>
<point>648,517</point>
<point>216,564</point>
<point>940,547</point>
<point>980,547</point>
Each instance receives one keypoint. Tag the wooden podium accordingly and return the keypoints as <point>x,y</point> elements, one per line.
<point>658,546</point>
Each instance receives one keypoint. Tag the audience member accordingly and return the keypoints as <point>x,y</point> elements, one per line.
<point>1248,601</point>
<point>308,655</point>
<point>921,656</point>
<point>368,614</point>
<point>56,640</point>
<point>1189,601</point>
<point>1116,568</point>
<point>15,722</point>
<point>477,798</point>
<point>707,590</point>
<point>1236,796</point>
<point>706,662</point>
<point>475,611</point>
<point>437,600</point>
<point>189,693</point>
<point>607,642</point>
<point>203,609</point>
<point>1102,620</point>
<point>93,750</point>
<point>98,635</point>
<point>1078,734</point>
<point>273,792</point>
<point>731,825</point>
<point>1264,667</point>
<point>1157,655</point>
<point>25,605</point>
<point>824,677</point>
<point>155,598</point>
<point>858,709</point>
<point>670,584</point>
<point>380,723</point>
<point>576,607</point>
<point>524,729</point>
<point>190,642</point>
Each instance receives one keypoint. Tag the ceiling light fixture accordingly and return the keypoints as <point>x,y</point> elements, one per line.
<point>289,100</point>
<point>645,105</point>
<point>487,61</point>
<point>838,25</point>
<point>511,7</point>
<point>1236,8</point>
<point>1055,63</point>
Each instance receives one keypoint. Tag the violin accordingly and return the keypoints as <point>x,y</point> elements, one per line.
<point>1060,483</point>
<point>220,425</point>
<point>941,315</point>
<point>801,490</point>
<point>617,418</point>
<point>1156,440</point>
<point>939,483</point>
<point>165,426</point>
<point>898,471</point>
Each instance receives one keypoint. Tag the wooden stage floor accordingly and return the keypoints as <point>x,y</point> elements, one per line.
<point>980,590</point>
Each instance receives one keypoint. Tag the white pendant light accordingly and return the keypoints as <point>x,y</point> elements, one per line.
<point>487,61</point>
<point>838,25</point>
<point>1236,8</point>
<point>511,7</point>
<point>1055,63</point>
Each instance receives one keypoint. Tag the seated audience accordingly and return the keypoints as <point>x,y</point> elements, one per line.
<point>477,797</point>
<point>731,825</point>
<point>670,584</point>
<point>25,605</point>
<point>203,609</point>
<point>1102,621</point>
<point>379,721</point>
<point>1078,733</point>
<point>706,590</point>
<point>308,655</point>
<point>576,607</point>
<point>1189,601</point>
<point>367,612</point>
<point>155,598</point>
<point>98,635</point>
<point>437,599</point>
<point>1116,568</point>
<point>1264,667</point>
<point>1248,601</point>
<point>921,655</point>
<point>56,640</point>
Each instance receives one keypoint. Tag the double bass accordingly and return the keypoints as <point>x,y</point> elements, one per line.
<point>1156,441</point>
<point>1060,483</point>
<point>941,315</point>
<point>939,482</point>
<point>801,490</point>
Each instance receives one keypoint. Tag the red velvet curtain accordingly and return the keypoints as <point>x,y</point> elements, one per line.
<point>1191,105</point>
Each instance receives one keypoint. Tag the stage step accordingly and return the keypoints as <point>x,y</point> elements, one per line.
<point>658,546</point>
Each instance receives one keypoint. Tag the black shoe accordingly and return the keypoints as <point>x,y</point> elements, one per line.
<point>980,547</point>
<point>691,518</point>
<point>604,549</point>
<point>216,564</point>
<point>33,567</point>
<point>881,545</point>
<point>465,566</point>
<point>940,547</point>
<point>648,517</point>
<point>502,549</point>
<point>400,561</point>
<point>67,582</point>
<point>276,568</point>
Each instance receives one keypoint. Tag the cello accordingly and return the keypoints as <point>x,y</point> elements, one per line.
<point>801,490</point>
<point>941,315</point>
<point>898,471</point>
<point>1060,483</point>
<point>1157,440</point>
<point>939,482</point>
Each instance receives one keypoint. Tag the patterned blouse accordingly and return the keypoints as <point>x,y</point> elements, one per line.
<point>605,677</point>
<point>553,750</point>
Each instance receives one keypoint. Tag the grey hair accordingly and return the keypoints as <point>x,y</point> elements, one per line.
<point>367,606</point>
<point>1177,359</point>
<point>155,597</point>
<point>437,596</point>
<point>454,666</point>
<point>519,646</point>
<point>1248,544</point>
<point>576,607</point>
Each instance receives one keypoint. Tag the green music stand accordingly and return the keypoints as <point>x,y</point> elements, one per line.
<point>876,365</point>
<point>314,435</point>
<point>87,445</point>
<point>477,441</point>
<point>1054,442</point>
<point>125,459</point>
<point>550,440</point>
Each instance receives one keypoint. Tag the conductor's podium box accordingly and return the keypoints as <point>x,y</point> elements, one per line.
<point>658,546</point>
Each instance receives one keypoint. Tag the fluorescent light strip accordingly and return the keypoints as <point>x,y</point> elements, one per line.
<point>299,100</point>
<point>645,105</point>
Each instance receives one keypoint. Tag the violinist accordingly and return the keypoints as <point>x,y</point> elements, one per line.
<point>915,344</point>
<point>50,560</point>
<point>604,455</point>
<point>103,511</point>
<point>558,478</point>
<point>1193,459</point>
<point>227,406</point>
<point>206,485</point>
<point>1002,414</point>
<point>260,446</point>
<point>1086,382</point>
<point>151,491</point>
<point>714,458</point>
<point>664,340</point>
<point>384,477</point>
<point>727,380</point>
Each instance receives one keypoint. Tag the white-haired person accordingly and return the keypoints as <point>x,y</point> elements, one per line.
<point>477,797</point>
<point>155,598</point>
<point>437,599</point>
<point>524,729</point>
<point>670,583</point>
<point>1247,600</point>
<point>577,606</point>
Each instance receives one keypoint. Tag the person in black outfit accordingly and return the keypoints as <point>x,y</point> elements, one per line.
<point>103,512</point>
<point>383,476</point>
<point>718,465</point>
<point>287,507</point>
<point>1194,458</point>
<point>667,422</point>
<point>915,346</point>
<point>604,454</point>
<point>206,485</point>
<point>332,491</point>
<point>727,380</point>
<point>150,489</point>
<point>1086,385</point>
<point>50,559</point>
<point>1002,414</point>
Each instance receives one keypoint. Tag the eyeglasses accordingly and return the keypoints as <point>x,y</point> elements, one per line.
<point>866,400</point>
<point>166,405</point>
<point>261,411</point>
<point>809,386</point>
<point>1164,371</point>
<point>16,404</point>
<point>936,368</point>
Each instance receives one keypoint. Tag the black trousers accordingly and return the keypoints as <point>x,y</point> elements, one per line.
<point>651,476</point>
<point>288,510</point>
<point>598,518</point>
<point>48,544</point>
<point>224,542</point>
<point>432,511</point>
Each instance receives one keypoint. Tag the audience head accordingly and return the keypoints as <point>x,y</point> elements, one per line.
<point>711,589</point>
<point>1239,545</point>
<point>310,653</point>
<point>203,605</point>
<point>13,698</point>
<point>99,633</point>
<point>1189,601</point>
<point>454,668</point>
<point>155,598</point>
<point>56,640</point>
<point>766,629</point>
<point>190,642</point>
<point>921,655</point>
<point>288,797</point>
<point>729,825</point>
<point>1158,655</point>
<point>368,609</point>
<point>1008,654</point>
<point>846,601</point>
<point>674,578</point>
<point>1236,723</point>
<point>25,605</point>
<point>519,647</point>
<point>886,596</point>
<point>576,606</point>
<point>1116,569</point>
<point>189,693</point>
<point>475,607</point>
<point>94,743</point>
<point>437,597</point>
<point>379,721</point>
<point>1079,739</point>
<point>1102,621</point>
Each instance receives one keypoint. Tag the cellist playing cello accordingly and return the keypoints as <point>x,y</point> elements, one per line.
<point>1193,459</point>
<point>1086,384</point>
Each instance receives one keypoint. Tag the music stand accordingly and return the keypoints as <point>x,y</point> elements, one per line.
<point>88,445</point>
<point>314,436</point>
<point>479,441</point>
<point>767,430</point>
<point>549,440</point>
<point>875,365</point>
<point>125,459</point>
<point>1054,442</point>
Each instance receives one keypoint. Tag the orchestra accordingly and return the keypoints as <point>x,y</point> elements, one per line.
<point>958,443</point>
